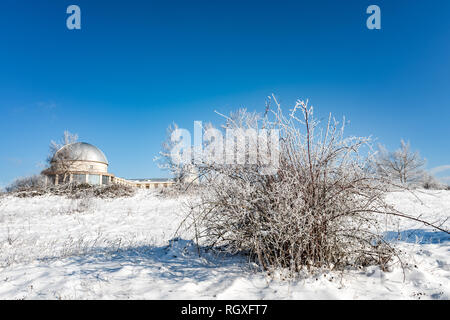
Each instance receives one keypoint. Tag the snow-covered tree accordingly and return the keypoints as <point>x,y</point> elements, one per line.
<point>65,157</point>
<point>66,139</point>
<point>166,161</point>
<point>402,165</point>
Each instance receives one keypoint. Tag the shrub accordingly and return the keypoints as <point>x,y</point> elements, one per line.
<point>113,191</point>
<point>319,209</point>
<point>70,190</point>
<point>26,183</point>
<point>429,182</point>
<point>180,189</point>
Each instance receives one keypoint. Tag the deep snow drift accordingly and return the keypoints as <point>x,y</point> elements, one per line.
<point>56,248</point>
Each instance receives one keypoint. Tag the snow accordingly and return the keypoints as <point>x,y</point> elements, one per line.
<point>56,248</point>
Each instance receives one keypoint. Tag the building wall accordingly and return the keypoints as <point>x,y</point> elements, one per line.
<point>85,166</point>
<point>94,173</point>
<point>143,184</point>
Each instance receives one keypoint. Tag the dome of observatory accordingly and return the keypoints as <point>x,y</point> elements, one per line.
<point>80,151</point>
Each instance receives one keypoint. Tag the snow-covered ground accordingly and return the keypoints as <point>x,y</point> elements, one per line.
<point>56,248</point>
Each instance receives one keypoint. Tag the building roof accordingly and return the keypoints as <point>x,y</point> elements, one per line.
<point>80,151</point>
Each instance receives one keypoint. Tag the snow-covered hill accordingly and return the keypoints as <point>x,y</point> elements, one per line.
<point>57,248</point>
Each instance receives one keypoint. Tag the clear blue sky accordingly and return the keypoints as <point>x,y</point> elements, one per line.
<point>136,66</point>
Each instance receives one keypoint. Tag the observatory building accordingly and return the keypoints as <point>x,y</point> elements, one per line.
<point>84,163</point>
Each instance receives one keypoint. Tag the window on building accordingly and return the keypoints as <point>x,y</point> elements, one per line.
<point>105,179</point>
<point>94,179</point>
<point>80,178</point>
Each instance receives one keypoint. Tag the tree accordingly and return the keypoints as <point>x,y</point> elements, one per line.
<point>61,161</point>
<point>402,165</point>
<point>165,159</point>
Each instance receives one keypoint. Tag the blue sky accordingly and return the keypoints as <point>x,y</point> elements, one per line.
<point>136,66</point>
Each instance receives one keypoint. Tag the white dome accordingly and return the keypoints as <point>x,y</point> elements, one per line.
<point>80,151</point>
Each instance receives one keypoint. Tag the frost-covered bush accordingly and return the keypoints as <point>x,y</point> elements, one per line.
<point>318,209</point>
<point>113,191</point>
<point>85,190</point>
<point>431,183</point>
<point>73,190</point>
<point>25,183</point>
<point>179,189</point>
